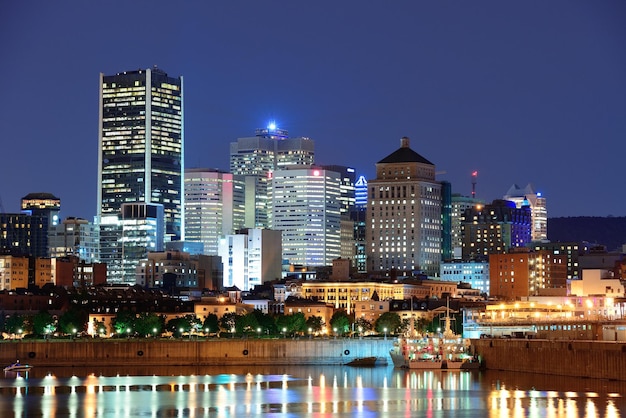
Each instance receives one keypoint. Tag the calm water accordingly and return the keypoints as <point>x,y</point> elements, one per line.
<point>302,391</point>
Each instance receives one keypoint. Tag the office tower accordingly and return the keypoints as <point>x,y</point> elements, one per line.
<point>360,192</point>
<point>538,208</point>
<point>251,258</point>
<point>214,206</point>
<point>474,273</point>
<point>459,204</point>
<point>44,204</point>
<point>24,235</point>
<point>446,221</point>
<point>140,153</point>
<point>494,229</point>
<point>404,215</point>
<point>257,157</point>
<point>347,204</point>
<point>142,227</point>
<point>307,209</point>
<point>75,237</point>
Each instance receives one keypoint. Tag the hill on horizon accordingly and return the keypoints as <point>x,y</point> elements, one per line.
<point>609,231</point>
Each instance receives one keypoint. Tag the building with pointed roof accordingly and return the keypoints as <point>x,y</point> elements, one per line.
<point>404,215</point>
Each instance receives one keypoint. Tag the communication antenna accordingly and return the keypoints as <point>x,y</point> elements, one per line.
<point>474,177</point>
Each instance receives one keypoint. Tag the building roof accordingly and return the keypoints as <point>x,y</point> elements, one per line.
<point>40,196</point>
<point>404,154</point>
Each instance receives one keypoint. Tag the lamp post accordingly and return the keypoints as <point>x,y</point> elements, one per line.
<point>335,332</point>
<point>385,329</point>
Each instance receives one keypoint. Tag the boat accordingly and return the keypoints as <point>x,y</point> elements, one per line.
<point>363,362</point>
<point>17,367</point>
<point>447,351</point>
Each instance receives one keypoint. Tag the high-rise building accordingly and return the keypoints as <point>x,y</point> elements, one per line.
<point>44,204</point>
<point>404,215</point>
<point>358,216</point>
<point>214,206</point>
<point>494,229</point>
<point>257,157</point>
<point>459,204</point>
<point>538,209</point>
<point>75,237</point>
<point>306,208</point>
<point>347,204</point>
<point>251,257</point>
<point>24,235</point>
<point>140,152</point>
<point>142,227</point>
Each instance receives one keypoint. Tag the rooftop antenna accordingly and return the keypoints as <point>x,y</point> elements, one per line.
<point>474,176</point>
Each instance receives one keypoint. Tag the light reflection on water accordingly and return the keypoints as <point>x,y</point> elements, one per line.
<point>303,390</point>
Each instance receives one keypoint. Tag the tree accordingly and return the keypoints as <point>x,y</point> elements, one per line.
<point>362,325</point>
<point>291,324</point>
<point>180,325</point>
<point>228,321</point>
<point>211,324</point>
<point>389,321</point>
<point>149,324</point>
<point>315,323</point>
<point>15,324</point>
<point>246,323</point>
<point>340,321</point>
<point>43,323</point>
<point>123,322</point>
<point>74,320</point>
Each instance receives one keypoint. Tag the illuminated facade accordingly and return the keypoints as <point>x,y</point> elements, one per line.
<point>257,157</point>
<point>404,215</point>
<point>75,237</point>
<point>44,204</point>
<point>214,206</point>
<point>23,234</point>
<point>538,210</point>
<point>494,229</point>
<point>142,232</point>
<point>140,152</point>
<point>306,208</point>
<point>474,273</point>
<point>459,205</point>
<point>347,205</point>
<point>522,272</point>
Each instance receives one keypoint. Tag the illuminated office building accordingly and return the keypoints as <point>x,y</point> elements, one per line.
<point>459,205</point>
<point>75,237</point>
<point>538,209</point>
<point>306,208</point>
<point>257,157</point>
<point>404,215</point>
<point>140,153</point>
<point>44,204</point>
<point>347,204</point>
<point>214,206</point>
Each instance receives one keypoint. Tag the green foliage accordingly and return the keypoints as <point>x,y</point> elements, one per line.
<point>362,325</point>
<point>211,323</point>
<point>340,321</point>
<point>99,327</point>
<point>43,323</point>
<point>291,324</point>
<point>228,321</point>
<point>123,322</point>
<point>73,321</point>
<point>246,323</point>
<point>15,324</point>
<point>390,321</point>
<point>149,324</point>
<point>184,324</point>
<point>315,323</point>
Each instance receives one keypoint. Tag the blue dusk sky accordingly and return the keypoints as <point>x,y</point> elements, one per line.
<point>521,91</point>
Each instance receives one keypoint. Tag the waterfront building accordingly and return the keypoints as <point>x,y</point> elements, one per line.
<point>572,251</point>
<point>597,282</point>
<point>140,152</point>
<point>311,308</point>
<point>142,227</point>
<point>521,273</point>
<point>75,237</point>
<point>494,229</point>
<point>307,209</point>
<point>538,209</point>
<point>214,206</point>
<point>257,157</point>
<point>23,234</point>
<point>404,215</point>
<point>251,257</point>
<point>474,273</point>
<point>20,271</point>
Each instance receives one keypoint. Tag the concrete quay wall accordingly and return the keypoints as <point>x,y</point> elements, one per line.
<point>593,359</point>
<point>194,352</point>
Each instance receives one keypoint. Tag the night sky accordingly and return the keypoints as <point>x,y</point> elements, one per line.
<point>522,91</point>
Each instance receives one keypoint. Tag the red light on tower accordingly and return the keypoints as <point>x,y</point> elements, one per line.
<point>474,176</point>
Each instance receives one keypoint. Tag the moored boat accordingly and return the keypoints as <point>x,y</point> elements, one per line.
<point>17,367</point>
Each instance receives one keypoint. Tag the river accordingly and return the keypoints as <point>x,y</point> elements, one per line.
<point>296,391</point>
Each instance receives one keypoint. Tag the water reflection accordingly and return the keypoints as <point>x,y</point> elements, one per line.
<point>303,390</point>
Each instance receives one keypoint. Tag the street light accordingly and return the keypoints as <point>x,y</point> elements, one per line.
<point>385,329</point>
<point>154,331</point>
<point>335,332</point>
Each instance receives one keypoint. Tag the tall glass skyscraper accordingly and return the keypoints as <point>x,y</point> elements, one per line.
<point>140,152</point>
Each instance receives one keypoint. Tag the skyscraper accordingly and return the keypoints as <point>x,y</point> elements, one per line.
<point>257,157</point>
<point>404,214</point>
<point>214,206</point>
<point>140,152</point>
<point>306,208</point>
<point>538,210</point>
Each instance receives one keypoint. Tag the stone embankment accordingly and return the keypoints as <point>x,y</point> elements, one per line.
<point>593,359</point>
<point>194,352</point>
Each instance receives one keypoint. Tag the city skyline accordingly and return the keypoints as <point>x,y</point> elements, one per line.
<point>524,94</point>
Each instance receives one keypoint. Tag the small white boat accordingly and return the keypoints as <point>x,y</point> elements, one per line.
<point>17,367</point>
